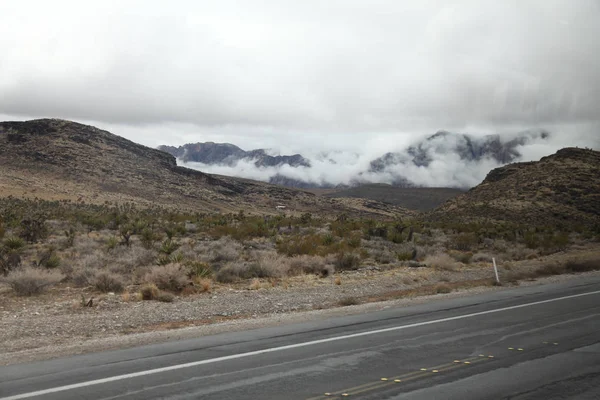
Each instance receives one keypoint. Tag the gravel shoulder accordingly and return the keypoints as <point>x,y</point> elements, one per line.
<point>56,325</point>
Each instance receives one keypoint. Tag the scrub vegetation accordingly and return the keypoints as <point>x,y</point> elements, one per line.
<point>154,251</point>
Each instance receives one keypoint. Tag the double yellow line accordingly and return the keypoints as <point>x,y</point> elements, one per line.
<point>402,378</point>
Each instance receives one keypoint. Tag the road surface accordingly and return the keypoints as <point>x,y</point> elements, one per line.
<point>536,342</point>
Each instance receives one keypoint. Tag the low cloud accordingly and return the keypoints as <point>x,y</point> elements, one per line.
<point>445,167</point>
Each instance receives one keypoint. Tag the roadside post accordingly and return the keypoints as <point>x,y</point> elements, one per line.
<point>496,271</point>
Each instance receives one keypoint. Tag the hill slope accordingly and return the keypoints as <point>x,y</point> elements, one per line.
<point>561,189</point>
<point>57,159</point>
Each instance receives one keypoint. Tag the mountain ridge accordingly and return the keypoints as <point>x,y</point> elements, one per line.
<point>392,167</point>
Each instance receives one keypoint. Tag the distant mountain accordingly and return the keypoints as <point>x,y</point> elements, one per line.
<point>559,190</point>
<point>468,148</point>
<point>401,168</point>
<point>229,154</point>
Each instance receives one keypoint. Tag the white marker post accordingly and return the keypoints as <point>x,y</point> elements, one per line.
<point>496,270</point>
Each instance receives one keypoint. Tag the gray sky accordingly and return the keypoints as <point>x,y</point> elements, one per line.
<point>366,76</point>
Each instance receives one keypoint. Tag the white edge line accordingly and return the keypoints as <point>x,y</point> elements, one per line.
<point>274,349</point>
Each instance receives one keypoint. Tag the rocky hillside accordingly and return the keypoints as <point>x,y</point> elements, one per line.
<point>560,190</point>
<point>63,160</point>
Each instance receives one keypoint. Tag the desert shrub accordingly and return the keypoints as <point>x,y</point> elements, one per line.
<point>165,297</point>
<point>383,256</point>
<point>51,262</point>
<point>147,238</point>
<point>441,261</point>
<point>354,241</point>
<point>556,242</point>
<point>199,269</point>
<point>462,257</point>
<point>395,237</point>
<point>168,246</point>
<point>227,274</point>
<point>128,258</point>
<point>531,240</point>
<point>346,261</point>
<point>171,277</point>
<point>82,276</point>
<point>328,239</point>
<point>9,262</point>
<point>70,235</point>
<point>550,269</point>
<point>33,229</point>
<point>348,301</point>
<point>224,250</point>
<point>149,291</point>
<point>482,257</point>
<point>30,281</point>
<point>270,265</point>
<point>405,255</point>
<point>583,266</point>
<point>111,243</point>
<point>105,282</point>
<point>306,264</point>
<point>205,285</point>
<point>234,272</point>
<point>442,288</point>
<point>13,243</point>
<point>465,241</point>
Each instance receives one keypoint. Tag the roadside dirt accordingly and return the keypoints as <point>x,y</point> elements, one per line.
<point>55,324</point>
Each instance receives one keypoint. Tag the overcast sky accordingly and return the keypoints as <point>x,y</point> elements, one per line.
<point>360,75</point>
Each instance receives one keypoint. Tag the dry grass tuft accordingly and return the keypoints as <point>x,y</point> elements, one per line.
<point>205,285</point>
<point>255,284</point>
<point>442,262</point>
<point>149,291</point>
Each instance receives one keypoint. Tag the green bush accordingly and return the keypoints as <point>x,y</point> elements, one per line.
<point>52,262</point>
<point>13,243</point>
<point>111,243</point>
<point>168,246</point>
<point>199,269</point>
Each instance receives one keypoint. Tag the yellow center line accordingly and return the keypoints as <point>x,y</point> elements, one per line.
<point>398,379</point>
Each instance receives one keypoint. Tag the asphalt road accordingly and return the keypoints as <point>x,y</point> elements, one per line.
<point>539,342</point>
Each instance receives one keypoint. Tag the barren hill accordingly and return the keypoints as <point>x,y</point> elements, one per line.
<point>63,160</point>
<point>559,190</point>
